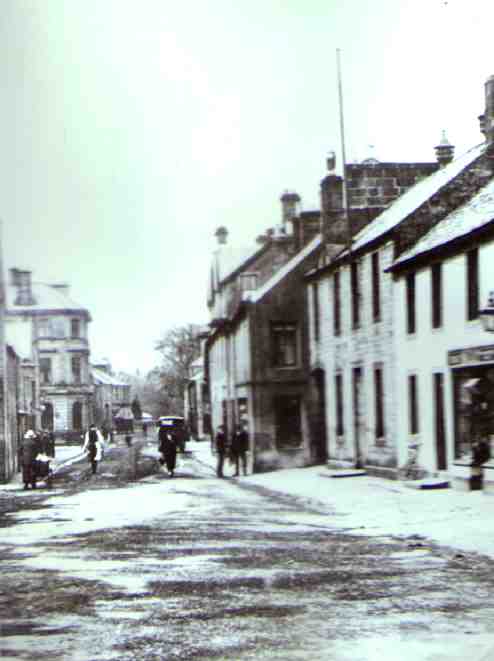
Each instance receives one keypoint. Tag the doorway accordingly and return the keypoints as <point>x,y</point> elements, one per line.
<point>440,431</point>
<point>358,411</point>
<point>319,431</point>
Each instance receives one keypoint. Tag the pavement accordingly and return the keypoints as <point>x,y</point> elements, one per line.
<point>360,504</point>
<point>376,506</point>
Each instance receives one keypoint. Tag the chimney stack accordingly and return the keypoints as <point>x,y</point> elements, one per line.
<point>444,151</point>
<point>22,281</point>
<point>290,208</point>
<point>487,119</point>
<point>221,235</point>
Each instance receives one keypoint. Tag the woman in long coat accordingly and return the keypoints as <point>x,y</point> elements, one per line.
<point>168,448</point>
<point>28,452</point>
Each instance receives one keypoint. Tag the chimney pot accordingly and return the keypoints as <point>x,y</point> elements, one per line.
<point>221,235</point>
<point>444,151</point>
<point>290,201</point>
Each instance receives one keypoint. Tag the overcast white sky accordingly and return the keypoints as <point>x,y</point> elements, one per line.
<point>132,129</point>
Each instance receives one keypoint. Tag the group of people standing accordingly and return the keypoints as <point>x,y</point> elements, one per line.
<point>35,446</point>
<point>235,448</point>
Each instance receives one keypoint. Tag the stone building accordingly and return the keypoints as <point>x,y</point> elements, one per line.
<point>54,330</point>
<point>445,372</point>
<point>354,338</point>
<point>110,395</point>
<point>256,354</point>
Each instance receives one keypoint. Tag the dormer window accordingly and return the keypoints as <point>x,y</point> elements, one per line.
<point>248,281</point>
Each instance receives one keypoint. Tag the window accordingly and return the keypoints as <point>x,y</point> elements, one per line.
<point>44,328</point>
<point>284,338</point>
<point>339,404</point>
<point>45,371</point>
<point>411,316</point>
<point>336,304</point>
<point>437,298</point>
<point>413,404</point>
<point>77,415</point>
<point>315,307</point>
<point>473,284</point>
<point>379,401</point>
<point>248,281</point>
<point>75,328</point>
<point>376,290</point>
<point>76,369</point>
<point>355,286</point>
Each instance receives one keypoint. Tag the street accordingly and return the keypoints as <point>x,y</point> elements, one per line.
<point>200,568</point>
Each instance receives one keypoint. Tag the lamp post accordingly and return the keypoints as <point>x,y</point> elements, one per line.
<point>486,314</point>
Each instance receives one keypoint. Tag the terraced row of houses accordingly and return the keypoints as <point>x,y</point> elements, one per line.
<point>352,334</point>
<point>47,379</point>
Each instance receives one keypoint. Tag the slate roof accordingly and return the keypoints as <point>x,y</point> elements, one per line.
<point>46,297</point>
<point>229,257</point>
<point>473,215</point>
<point>103,378</point>
<point>414,198</point>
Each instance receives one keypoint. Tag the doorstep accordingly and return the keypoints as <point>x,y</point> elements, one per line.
<point>344,472</point>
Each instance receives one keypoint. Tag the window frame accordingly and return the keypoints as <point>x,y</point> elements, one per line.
<point>411,303</point>
<point>47,360</point>
<point>281,331</point>
<point>340,420</point>
<point>376,287</point>
<point>316,311</point>
<point>355,293</point>
<point>413,405</point>
<point>437,295</point>
<point>472,284</point>
<point>380,424</point>
<point>336,304</point>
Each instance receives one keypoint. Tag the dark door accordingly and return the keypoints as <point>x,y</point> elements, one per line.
<point>439,421</point>
<point>47,416</point>
<point>357,414</point>
<point>288,421</point>
<point>77,416</point>
<point>319,441</point>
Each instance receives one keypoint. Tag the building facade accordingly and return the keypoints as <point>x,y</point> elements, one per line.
<point>54,329</point>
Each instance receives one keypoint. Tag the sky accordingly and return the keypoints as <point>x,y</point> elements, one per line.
<point>132,129</point>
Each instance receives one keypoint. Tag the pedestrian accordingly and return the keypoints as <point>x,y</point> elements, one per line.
<point>168,448</point>
<point>221,449</point>
<point>128,440</point>
<point>239,448</point>
<point>93,446</point>
<point>28,452</point>
<point>145,430</point>
<point>105,431</point>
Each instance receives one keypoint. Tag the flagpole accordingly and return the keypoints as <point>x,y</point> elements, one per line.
<point>346,214</point>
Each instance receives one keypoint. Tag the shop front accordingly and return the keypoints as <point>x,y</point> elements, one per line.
<point>473,408</point>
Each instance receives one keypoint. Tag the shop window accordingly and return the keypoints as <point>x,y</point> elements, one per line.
<point>336,304</point>
<point>473,284</point>
<point>75,328</point>
<point>284,343</point>
<point>411,304</point>
<point>413,404</point>
<point>437,296</point>
<point>356,294</point>
<point>376,287</point>
<point>45,371</point>
<point>288,421</point>
<point>315,308</point>
<point>379,401</point>
<point>339,404</point>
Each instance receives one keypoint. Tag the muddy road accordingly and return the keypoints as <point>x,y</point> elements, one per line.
<point>199,568</point>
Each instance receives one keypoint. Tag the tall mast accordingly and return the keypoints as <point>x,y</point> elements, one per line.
<point>346,214</point>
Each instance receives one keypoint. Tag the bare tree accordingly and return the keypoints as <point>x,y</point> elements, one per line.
<point>178,348</point>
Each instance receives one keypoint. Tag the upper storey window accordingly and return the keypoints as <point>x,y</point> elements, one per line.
<point>248,281</point>
<point>75,328</point>
<point>284,342</point>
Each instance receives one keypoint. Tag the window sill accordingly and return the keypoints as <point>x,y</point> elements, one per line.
<point>380,442</point>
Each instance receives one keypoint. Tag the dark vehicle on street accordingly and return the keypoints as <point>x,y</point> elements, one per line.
<point>178,428</point>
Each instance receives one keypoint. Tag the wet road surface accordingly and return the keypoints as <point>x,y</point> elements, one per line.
<point>200,568</point>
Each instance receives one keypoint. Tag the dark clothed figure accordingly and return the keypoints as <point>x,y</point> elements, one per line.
<point>93,445</point>
<point>145,430</point>
<point>51,444</point>
<point>168,449</point>
<point>240,446</point>
<point>221,449</point>
<point>28,452</point>
<point>480,453</point>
